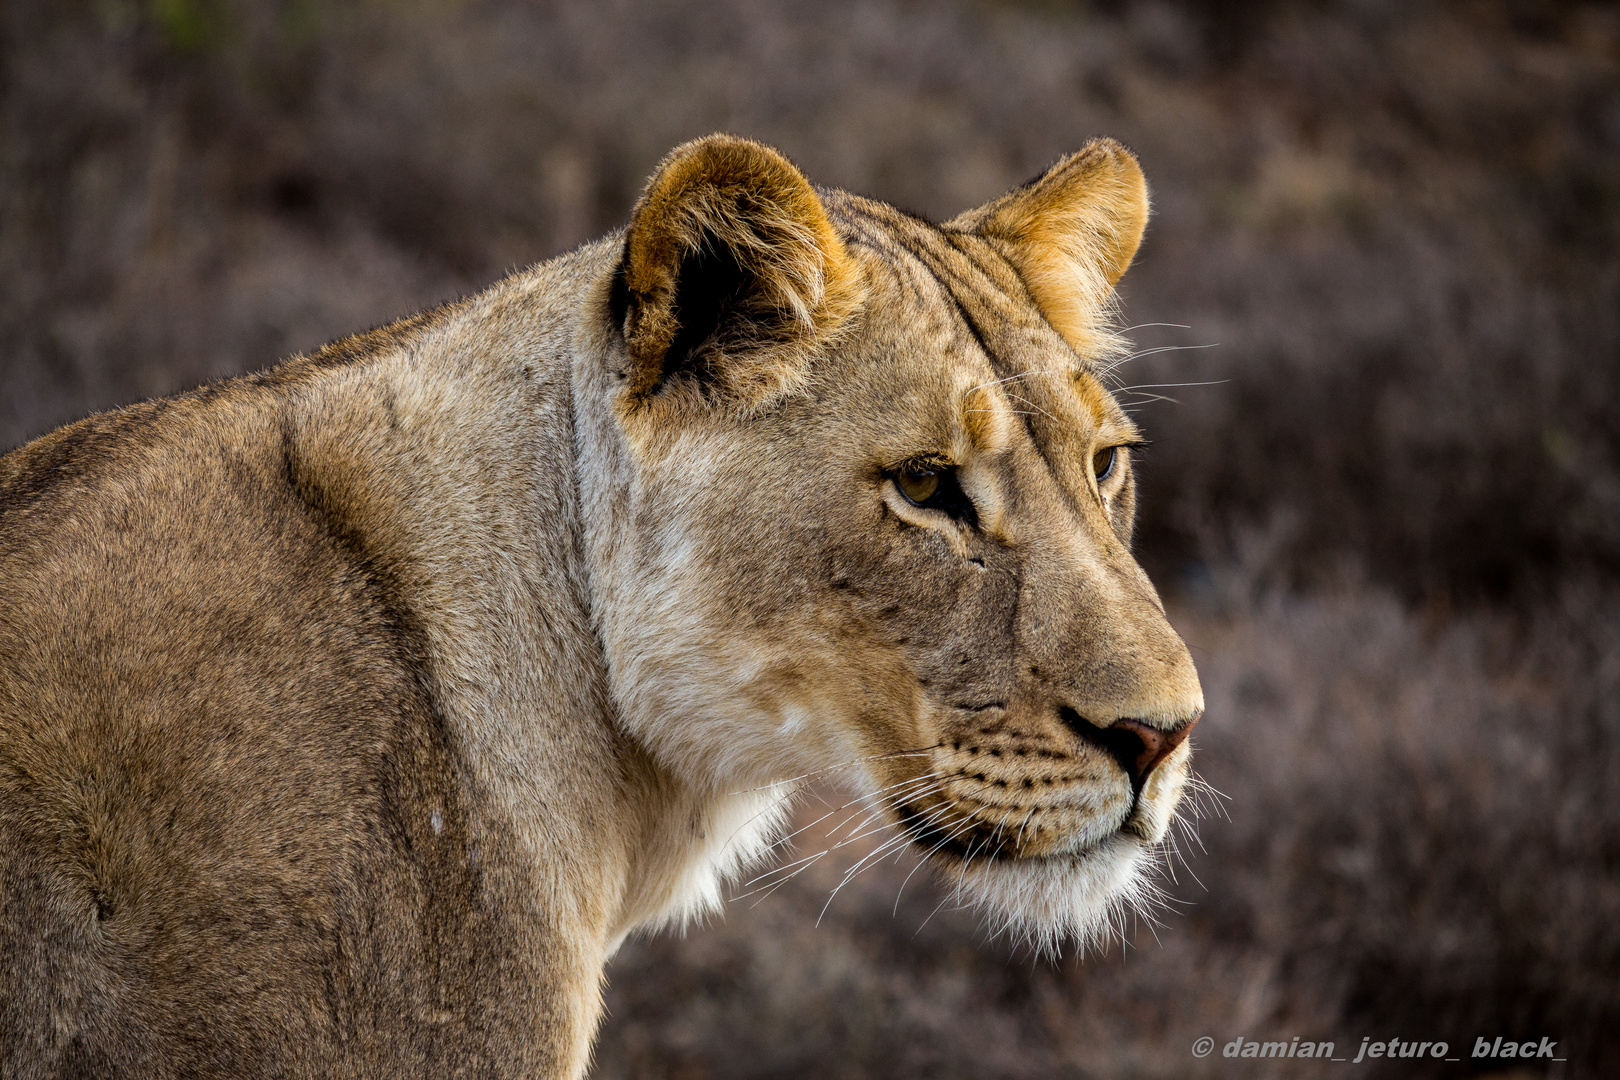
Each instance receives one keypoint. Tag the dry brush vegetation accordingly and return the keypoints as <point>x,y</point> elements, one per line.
<point>1388,520</point>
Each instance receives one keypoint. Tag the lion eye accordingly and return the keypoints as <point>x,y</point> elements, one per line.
<point>1102,463</point>
<point>918,484</point>
<point>931,486</point>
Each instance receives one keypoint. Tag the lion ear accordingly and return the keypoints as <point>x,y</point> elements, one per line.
<point>1071,233</point>
<point>732,274</point>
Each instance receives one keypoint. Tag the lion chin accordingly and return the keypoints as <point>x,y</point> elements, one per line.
<point>1050,902</point>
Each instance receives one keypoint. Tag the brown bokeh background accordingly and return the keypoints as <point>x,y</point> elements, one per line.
<point>1385,509</point>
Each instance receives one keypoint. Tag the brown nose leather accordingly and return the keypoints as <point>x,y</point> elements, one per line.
<point>1157,745</point>
<point>1136,745</point>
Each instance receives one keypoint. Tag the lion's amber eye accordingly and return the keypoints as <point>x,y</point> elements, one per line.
<point>935,486</point>
<point>1102,463</point>
<point>918,484</point>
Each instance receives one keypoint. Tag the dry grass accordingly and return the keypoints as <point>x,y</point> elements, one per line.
<point>1391,527</point>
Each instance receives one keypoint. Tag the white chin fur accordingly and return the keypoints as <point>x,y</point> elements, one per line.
<point>1047,902</point>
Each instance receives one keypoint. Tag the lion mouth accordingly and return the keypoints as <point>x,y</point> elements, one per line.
<point>964,837</point>
<point>965,841</point>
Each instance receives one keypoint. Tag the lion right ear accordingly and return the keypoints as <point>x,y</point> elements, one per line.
<point>732,275</point>
<point>1071,233</point>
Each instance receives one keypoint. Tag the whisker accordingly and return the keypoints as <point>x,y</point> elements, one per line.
<point>848,840</point>
<point>925,858</point>
<point>877,813</point>
<point>921,862</point>
<point>1187,866</point>
<point>1008,379</point>
<point>888,795</point>
<point>888,845</point>
<point>841,765</point>
<point>790,869</point>
<point>1028,816</point>
<point>778,869</point>
<point>838,809</point>
<point>1036,407</point>
<point>961,873</point>
<point>767,890</point>
<point>850,875</point>
<point>942,901</point>
<point>1168,385</point>
<point>1164,349</point>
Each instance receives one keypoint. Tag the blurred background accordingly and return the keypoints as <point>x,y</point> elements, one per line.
<point>1384,509</point>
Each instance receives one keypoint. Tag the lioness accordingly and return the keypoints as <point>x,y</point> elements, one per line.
<point>352,713</point>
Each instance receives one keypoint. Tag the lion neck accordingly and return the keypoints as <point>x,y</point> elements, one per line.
<point>456,460</point>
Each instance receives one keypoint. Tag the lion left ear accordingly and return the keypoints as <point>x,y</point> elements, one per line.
<point>732,274</point>
<point>1071,233</point>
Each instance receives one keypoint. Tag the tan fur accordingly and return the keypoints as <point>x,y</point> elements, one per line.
<point>352,713</point>
<point>1072,234</point>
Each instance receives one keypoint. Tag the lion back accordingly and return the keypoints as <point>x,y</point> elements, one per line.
<point>217,745</point>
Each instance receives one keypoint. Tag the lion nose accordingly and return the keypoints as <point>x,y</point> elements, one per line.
<point>1153,745</point>
<point>1135,744</point>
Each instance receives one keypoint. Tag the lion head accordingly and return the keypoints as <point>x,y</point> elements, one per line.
<point>862,503</point>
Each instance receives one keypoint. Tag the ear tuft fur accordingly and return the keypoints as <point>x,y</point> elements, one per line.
<point>1072,233</point>
<point>732,274</point>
